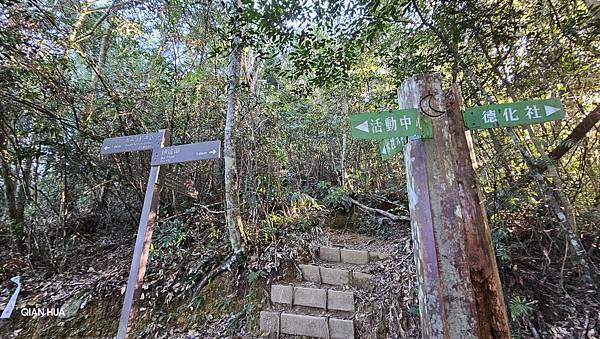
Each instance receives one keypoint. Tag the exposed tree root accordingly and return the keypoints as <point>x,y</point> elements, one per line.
<point>225,266</point>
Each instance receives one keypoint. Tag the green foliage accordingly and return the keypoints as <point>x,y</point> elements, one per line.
<point>337,197</point>
<point>253,276</point>
<point>414,310</point>
<point>588,219</point>
<point>271,222</point>
<point>168,238</point>
<point>499,237</point>
<point>520,307</point>
<point>323,187</point>
<point>303,201</point>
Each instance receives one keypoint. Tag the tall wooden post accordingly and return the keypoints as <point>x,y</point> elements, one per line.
<point>460,295</point>
<point>142,247</point>
<point>489,297</point>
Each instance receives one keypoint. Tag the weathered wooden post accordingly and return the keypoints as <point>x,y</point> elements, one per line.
<point>460,295</point>
<point>489,297</point>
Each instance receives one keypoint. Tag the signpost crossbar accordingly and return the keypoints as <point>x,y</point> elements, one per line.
<point>389,124</point>
<point>185,153</point>
<point>129,143</point>
<point>513,114</point>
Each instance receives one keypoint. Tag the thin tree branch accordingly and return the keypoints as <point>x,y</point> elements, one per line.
<point>377,210</point>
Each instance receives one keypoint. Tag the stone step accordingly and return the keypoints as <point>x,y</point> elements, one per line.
<point>327,299</point>
<point>344,255</point>
<point>310,284</point>
<point>273,324</point>
<point>334,276</point>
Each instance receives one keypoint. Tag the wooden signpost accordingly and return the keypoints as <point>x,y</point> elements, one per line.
<point>161,155</point>
<point>460,295</point>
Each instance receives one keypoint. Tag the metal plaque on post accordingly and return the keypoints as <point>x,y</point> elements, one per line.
<point>389,124</point>
<point>131,143</point>
<point>513,114</point>
<point>185,153</point>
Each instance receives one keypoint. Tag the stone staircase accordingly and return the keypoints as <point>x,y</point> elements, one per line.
<point>322,305</point>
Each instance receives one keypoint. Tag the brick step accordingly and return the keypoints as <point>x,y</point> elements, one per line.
<point>334,276</point>
<point>273,324</point>
<point>327,299</point>
<point>311,284</point>
<point>315,312</point>
<point>349,256</point>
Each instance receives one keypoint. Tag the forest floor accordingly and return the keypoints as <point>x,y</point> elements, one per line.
<point>553,301</point>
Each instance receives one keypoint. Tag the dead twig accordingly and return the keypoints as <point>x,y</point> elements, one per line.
<point>205,207</point>
<point>377,210</point>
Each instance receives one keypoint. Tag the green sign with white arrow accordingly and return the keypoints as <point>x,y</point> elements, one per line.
<point>385,125</point>
<point>390,147</point>
<point>513,114</point>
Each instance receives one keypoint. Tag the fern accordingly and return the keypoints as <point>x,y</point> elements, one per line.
<point>519,307</point>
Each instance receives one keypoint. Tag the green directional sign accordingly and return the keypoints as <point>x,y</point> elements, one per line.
<point>513,114</point>
<point>389,124</point>
<point>390,147</point>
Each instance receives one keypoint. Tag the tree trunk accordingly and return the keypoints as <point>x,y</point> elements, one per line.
<point>232,200</point>
<point>104,44</point>
<point>15,212</point>
<point>578,133</point>
<point>345,108</point>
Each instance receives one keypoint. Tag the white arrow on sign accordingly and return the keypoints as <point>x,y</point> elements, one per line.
<point>13,299</point>
<point>363,127</point>
<point>550,110</point>
<point>213,152</point>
